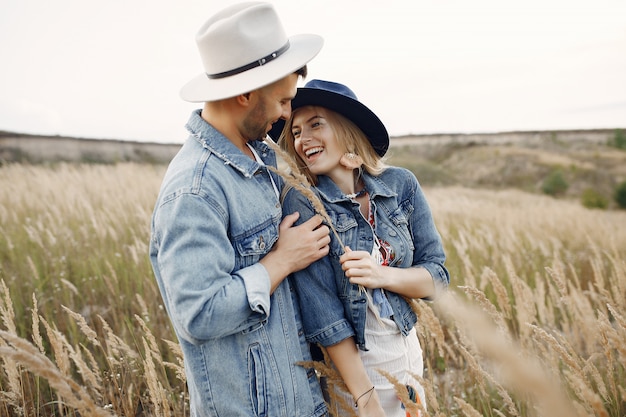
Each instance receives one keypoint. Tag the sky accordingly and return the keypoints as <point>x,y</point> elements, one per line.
<point>113,69</point>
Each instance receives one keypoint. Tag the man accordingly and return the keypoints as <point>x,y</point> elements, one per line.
<point>219,249</point>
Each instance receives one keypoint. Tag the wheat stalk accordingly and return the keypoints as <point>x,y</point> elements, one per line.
<point>557,347</point>
<point>178,368</point>
<point>115,346</point>
<point>93,378</point>
<point>29,356</point>
<point>10,368</point>
<point>37,339</point>
<point>154,347</point>
<point>83,326</point>
<point>467,409</point>
<point>143,307</point>
<point>593,401</point>
<point>498,288</point>
<point>523,298</point>
<point>155,389</point>
<point>413,408</point>
<point>428,320</point>
<point>487,306</point>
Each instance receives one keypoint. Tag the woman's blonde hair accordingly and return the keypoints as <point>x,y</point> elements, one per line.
<point>348,136</point>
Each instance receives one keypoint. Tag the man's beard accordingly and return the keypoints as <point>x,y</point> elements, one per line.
<point>256,123</point>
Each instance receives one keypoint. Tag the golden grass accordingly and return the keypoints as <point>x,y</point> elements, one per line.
<point>533,324</point>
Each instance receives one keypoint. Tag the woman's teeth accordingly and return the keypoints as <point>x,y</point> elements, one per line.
<point>313,151</point>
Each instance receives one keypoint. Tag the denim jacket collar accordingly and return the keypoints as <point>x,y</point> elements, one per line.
<point>211,139</point>
<point>329,191</point>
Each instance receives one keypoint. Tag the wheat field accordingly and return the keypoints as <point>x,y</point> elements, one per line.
<point>534,323</point>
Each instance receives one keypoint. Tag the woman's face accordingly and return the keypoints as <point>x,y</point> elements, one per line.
<point>314,140</point>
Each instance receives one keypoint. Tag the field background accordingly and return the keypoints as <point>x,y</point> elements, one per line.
<point>534,323</point>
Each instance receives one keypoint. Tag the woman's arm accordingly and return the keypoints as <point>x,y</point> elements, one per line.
<point>348,362</point>
<point>427,275</point>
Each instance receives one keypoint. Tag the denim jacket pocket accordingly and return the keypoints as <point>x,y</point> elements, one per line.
<point>345,225</point>
<point>400,223</point>
<point>253,245</point>
<point>256,370</point>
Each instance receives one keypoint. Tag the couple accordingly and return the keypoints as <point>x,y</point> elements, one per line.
<point>222,245</point>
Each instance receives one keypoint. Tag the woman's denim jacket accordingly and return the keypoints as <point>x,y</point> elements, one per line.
<point>216,216</point>
<point>333,309</point>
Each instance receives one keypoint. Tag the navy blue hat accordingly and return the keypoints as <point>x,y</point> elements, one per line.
<point>339,98</point>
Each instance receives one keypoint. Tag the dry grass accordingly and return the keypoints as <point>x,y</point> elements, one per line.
<point>533,325</point>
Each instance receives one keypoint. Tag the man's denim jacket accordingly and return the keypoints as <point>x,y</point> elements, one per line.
<point>333,309</point>
<point>216,216</point>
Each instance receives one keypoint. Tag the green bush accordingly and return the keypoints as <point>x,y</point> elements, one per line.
<point>554,184</point>
<point>591,198</point>
<point>619,139</point>
<point>620,195</point>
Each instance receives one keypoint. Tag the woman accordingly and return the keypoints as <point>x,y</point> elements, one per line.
<point>388,247</point>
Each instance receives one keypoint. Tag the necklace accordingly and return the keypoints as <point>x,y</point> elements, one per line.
<point>357,195</point>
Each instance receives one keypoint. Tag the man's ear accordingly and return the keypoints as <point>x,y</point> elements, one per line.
<point>244,99</point>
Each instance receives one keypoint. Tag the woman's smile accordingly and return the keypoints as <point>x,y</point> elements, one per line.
<point>313,153</point>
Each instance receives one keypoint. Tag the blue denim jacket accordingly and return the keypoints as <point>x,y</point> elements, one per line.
<point>216,216</point>
<point>332,308</point>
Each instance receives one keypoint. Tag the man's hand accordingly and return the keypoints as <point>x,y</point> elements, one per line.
<point>297,247</point>
<point>305,243</point>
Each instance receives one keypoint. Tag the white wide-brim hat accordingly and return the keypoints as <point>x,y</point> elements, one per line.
<point>244,47</point>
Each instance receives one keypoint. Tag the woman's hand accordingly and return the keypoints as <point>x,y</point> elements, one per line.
<point>362,269</point>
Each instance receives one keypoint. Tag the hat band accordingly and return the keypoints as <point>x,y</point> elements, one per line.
<point>257,63</point>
